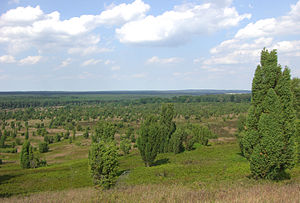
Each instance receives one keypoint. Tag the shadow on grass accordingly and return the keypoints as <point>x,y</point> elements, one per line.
<point>3,179</point>
<point>161,162</point>
<point>123,172</point>
<point>240,154</point>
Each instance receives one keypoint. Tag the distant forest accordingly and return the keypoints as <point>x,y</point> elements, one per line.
<point>46,99</point>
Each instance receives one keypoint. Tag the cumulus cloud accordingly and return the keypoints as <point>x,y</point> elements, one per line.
<point>29,27</point>
<point>245,47</point>
<point>180,24</point>
<point>91,62</point>
<point>30,60</point>
<point>123,13</point>
<point>7,59</point>
<point>157,60</point>
<point>273,26</point>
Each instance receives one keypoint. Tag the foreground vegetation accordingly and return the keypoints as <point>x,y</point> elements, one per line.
<point>209,173</point>
<point>55,150</point>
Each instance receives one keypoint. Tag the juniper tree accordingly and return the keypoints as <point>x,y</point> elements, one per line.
<point>270,82</point>
<point>26,155</point>
<point>267,159</point>
<point>149,141</point>
<point>176,141</point>
<point>125,146</point>
<point>167,127</point>
<point>295,84</point>
<point>104,131</point>
<point>103,163</point>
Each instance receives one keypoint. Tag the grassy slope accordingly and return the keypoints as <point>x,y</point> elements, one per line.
<point>202,174</point>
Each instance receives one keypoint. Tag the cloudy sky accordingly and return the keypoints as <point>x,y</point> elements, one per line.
<point>142,44</point>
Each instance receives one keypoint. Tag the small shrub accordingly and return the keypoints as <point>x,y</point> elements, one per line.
<point>86,133</point>
<point>8,150</point>
<point>18,141</point>
<point>125,146</point>
<point>67,135</point>
<point>57,138</point>
<point>43,147</point>
<point>27,158</point>
<point>132,138</point>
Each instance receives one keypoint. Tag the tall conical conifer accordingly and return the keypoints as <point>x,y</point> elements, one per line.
<point>270,126</point>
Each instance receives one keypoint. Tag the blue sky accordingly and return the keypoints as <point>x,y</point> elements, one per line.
<point>90,45</point>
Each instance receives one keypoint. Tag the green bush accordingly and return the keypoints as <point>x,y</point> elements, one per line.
<point>18,141</point>
<point>176,141</point>
<point>27,158</point>
<point>43,147</point>
<point>86,133</point>
<point>104,131</point>
<point>57,138</point>
<point>103,163</point>
<point>8,150</point>
<point>125,146</point>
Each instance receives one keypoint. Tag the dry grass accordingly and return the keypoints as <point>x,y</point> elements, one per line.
<point>269,192</point>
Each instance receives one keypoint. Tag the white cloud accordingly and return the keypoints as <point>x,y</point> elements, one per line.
<point>115,68</point>
<point>91,62</point>
<point>65,62</point>
<point>248,42</point>
<point>7,59</point>
<point>179,25</point>
<point>123,13</point>
<point>30,60</point>
<point>29,27</point>
<point>158,60</point>
<point>288,24</point>
<point>21,15</point>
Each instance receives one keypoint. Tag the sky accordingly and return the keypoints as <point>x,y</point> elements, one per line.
<point>94,45</point>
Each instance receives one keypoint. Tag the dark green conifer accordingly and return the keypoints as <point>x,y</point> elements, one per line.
<point>167,127</point>
<point>149,141</point>
<point>26,155</point>
<point>268,140</point>
<point>103,163</point>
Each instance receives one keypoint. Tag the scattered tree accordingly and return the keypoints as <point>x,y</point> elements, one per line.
<point>148,142</point>
<point>103,163</point>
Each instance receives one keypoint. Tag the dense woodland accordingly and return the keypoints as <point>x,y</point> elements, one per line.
<point>111,140</point>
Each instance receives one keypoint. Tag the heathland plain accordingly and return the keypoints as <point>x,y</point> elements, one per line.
<point>214,172</point>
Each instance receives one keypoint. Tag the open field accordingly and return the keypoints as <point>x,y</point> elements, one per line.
<point>213,173</point>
